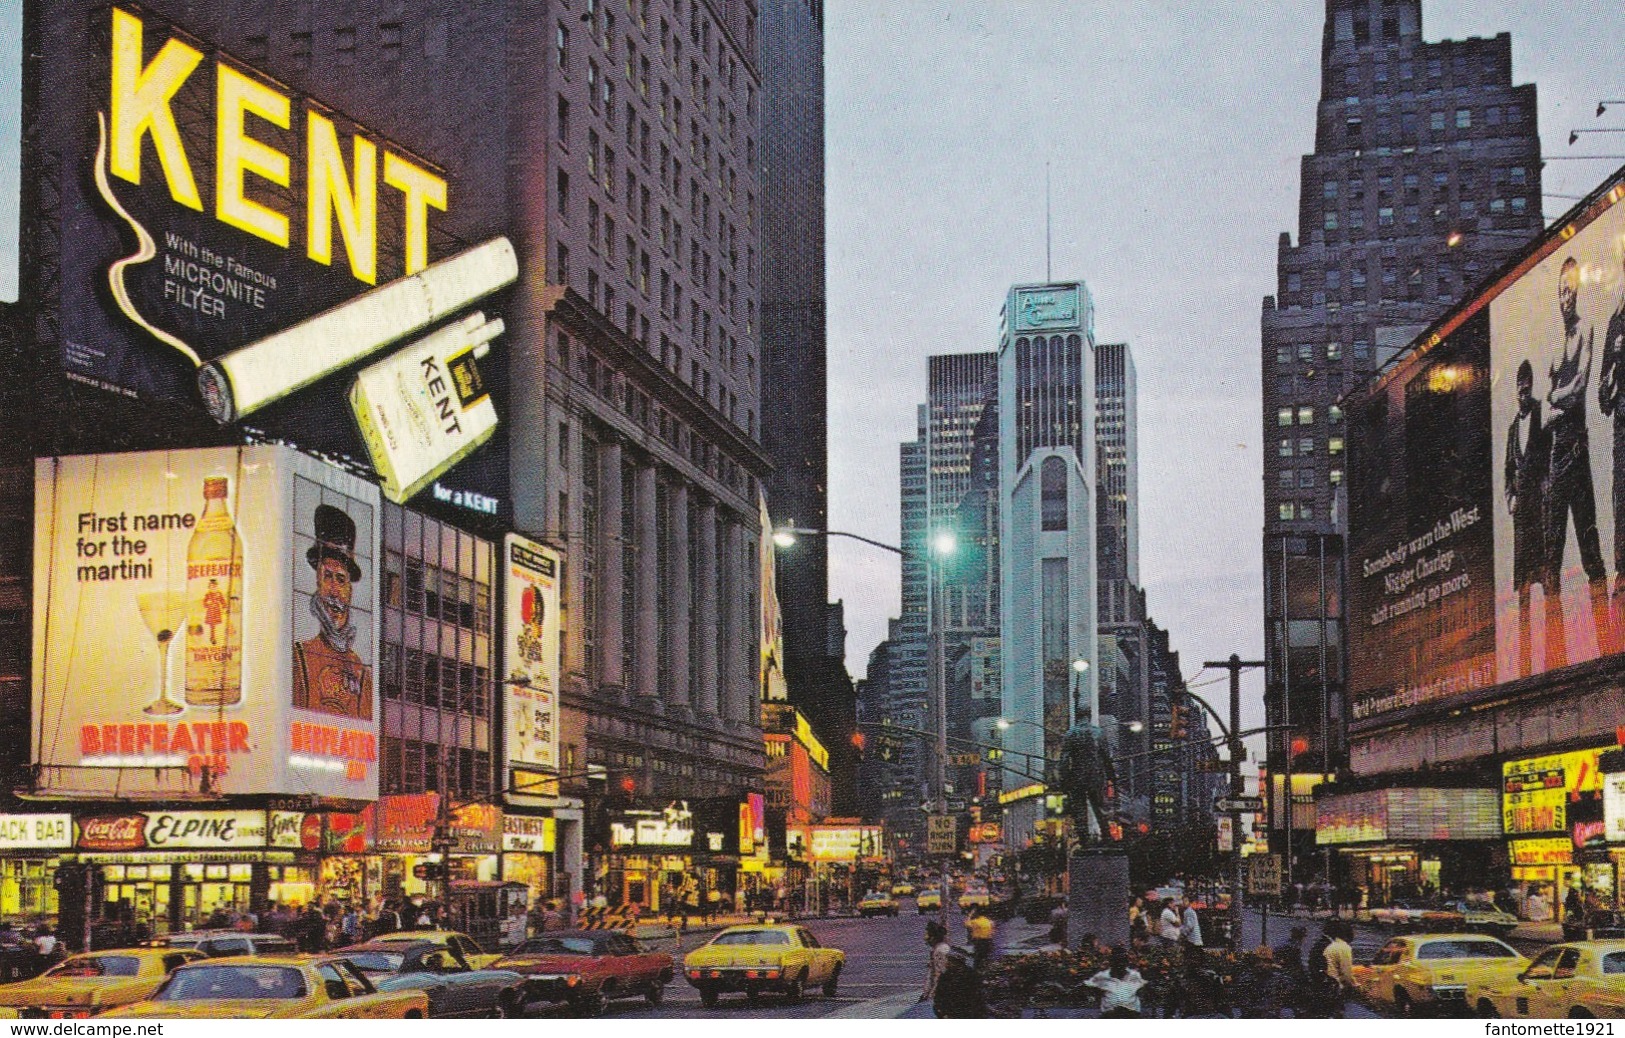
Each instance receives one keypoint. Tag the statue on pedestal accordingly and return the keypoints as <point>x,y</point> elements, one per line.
<point>1086,773</point>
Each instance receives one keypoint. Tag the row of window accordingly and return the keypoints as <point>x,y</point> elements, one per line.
<point>1487,69</point>
<point>1467,209</point>
<point>433,681</point>
<point>1291,511</point>
<point>1311,353</point>
<point>438,594</point>
<point>1307,479</point>
<point>411,766</point>
<point>1304,446</point>
<point>1305,415</point>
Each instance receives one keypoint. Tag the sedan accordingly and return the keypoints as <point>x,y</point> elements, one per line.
<point>85,985</point>
<point>1432,971</point>
<point>1579,979</point>
<point>876,903</point>
<point>276,987</point>
<point>463,944</point>
<point>586,968</point>
<point>454,987</point>
<point>778,958</point>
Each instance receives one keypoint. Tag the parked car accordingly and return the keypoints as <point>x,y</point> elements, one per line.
<point>84,985</point>
<point>902,890</point>
<point>218,944</point>
<point>276,987</point>
<point>1578,979</point>
<point>439,970</point>
<point>877,903</point>
<point>929,900</point>
<point>753,959</point>
<point>465,945</point>
<point>1432,971</point>
<point>586,968</point>
<point>1602,925</point>
<point>1483,917</point>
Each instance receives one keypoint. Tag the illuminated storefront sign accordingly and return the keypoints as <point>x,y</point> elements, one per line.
<point>847,843</point>
<point>206,619</point>
<point>673,827</point>
<point>172,830</point>
<point>35,832</point>
<point>1613,806</point>
<point>528,833</point>
<point>1549,851</point>
<point>530,638</point>
<point>1535,792</point>
<point>1419,815</point>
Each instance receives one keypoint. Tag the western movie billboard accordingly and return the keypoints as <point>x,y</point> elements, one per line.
<point>239,246</point>
<point>1485,543</point>
<point>205,620</point>
<point>530,632</point>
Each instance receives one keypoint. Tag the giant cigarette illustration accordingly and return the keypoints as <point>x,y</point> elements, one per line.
<point>263,372</point>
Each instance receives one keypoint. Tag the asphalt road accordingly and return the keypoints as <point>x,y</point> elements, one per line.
<point>885,960</point>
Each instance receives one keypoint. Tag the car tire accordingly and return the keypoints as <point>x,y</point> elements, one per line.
<point>1486,1010</point>
<point>588,1006</point>
<point>1580,1013</point>
<point>833,983</point>
<point>793,988</point>
<point>708,997</point>
<point>655,993</point>
<point>412,1014</point>
<point>1402,1004</point>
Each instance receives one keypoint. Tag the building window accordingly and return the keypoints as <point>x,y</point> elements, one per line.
<point>1334,445</point>
<point>1306,510</point>
<point>1385,216</point>
<point>1288,479</point>
<point>1330,221</point>
<point>1283,417</point>
<point>564,122</point>
<point>1287,510</point>
<point>1335,476</point>
<point>1285,449</point>
<point>563,193</point>
<point>562,273</point>
<point>1283,354</point>
<point>1306,416</point>
<point>1464,118</point>
<point>1306,352</point>
<point>1334,350</point>
<point>1052,494</point>
<point>1306,479</point>
<point>1306,446</point>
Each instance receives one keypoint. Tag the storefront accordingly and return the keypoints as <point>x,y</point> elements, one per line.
<point>402,831</point>
<point>161,871</point>
<point>1553,814</point>
<point>651,861</point>
<point>29,845</point>
<point>1405,841</point>
<point>529,846</point>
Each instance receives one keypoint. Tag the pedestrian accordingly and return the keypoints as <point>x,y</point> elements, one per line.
<point>1057,925</point>
<point>980,928</point>
<point>958,994</point>
<point>45,944</point>
<point>936,939</point>
<point>1573,906</point>
<point>350,925</point>
<point>1137,922</point>
<point>313,930</point>
<point>1120,986</point>
<point>1190,926</point>
<point>1168,924</point>
<point>1338,961</point>
<point>1537,909</point>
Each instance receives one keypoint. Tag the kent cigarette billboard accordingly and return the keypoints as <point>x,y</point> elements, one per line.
<point>1487,482</point>
<point>205,619</point>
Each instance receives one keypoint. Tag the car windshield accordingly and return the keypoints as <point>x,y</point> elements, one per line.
<point>1465,949</point>
<point>753,937</point>
<point>376,961</point>
<point>200,983</point>
<point>558,946</point>
<point>98,966</point>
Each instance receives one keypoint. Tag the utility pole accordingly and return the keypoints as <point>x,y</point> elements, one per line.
<point>1235,665</point>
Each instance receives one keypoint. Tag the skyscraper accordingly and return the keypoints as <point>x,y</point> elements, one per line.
<point>1424,178</point>
<point>1047,478</point>
<point>793,384</point>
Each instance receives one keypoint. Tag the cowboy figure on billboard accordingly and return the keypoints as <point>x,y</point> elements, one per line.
<point>1572,490</point>
<point>328,675</point>
<point>1611,400</point>
<point>1528,457</point>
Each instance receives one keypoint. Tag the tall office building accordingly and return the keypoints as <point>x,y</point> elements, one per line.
<point>1047,479</point>
<point>794,415</point>
<point>1424,178</point>
<point>1123,663</point>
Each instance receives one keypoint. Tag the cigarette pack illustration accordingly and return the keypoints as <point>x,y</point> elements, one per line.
<point>261,373</point>
<point>424,408</point>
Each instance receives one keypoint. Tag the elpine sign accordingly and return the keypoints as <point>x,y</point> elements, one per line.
<point>173,830</point>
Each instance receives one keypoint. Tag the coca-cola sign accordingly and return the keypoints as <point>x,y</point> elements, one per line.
<point>113,833</point>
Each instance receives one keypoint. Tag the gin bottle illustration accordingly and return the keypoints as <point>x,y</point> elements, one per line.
<point>214,597</point>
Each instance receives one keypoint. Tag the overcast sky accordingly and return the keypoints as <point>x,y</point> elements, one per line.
<point>1174,133</point>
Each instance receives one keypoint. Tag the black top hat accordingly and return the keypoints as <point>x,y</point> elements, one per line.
<point>335,539</point>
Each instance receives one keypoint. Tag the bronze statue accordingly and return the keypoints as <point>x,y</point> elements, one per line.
<point>1086,772</point>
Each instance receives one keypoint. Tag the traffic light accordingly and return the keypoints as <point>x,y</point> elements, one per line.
<point>1177,721</point>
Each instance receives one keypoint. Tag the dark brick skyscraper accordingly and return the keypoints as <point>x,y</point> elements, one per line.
<point>794,394</point>
<point>1424,178</point>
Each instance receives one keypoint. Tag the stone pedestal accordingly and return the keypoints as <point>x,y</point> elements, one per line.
<point>1099,898</point>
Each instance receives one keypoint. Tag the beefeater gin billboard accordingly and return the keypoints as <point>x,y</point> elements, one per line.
<point>205,620</point>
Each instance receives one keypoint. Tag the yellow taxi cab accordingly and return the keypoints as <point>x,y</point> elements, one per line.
<point>472,953</point>
<point>1432,971</point>
<point>781,958</point>
<point>930,900</point>
<point>276,987</point>
<point>975,896</point>
<point>84,985</point>
<point>902,890</point>
<point>1579,979</point>
<point>877,903</point>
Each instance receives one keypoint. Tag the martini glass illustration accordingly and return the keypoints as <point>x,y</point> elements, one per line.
<point>163,612</point>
